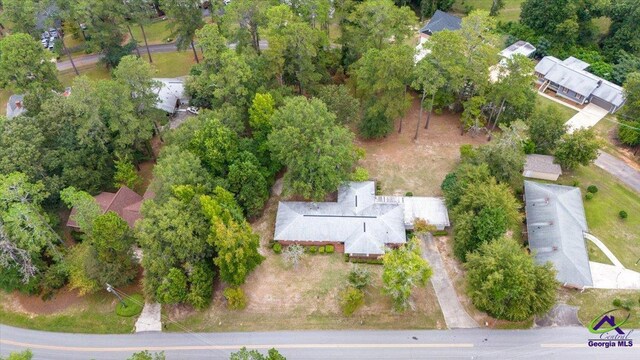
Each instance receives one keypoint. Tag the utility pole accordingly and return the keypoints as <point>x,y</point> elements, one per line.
<point>111,290</point>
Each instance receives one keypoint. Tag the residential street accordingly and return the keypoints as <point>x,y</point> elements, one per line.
<point>90,59</point>
<point>548,343</point>
<point>619,169</point>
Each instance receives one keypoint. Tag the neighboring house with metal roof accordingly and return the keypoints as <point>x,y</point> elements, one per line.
<point>556,224</point>
<point>126,203</point>
<point>359,223</point>
<point>520,47</point>
<point>541,167</point>
<point>570,80</point>
<point>15,106</point>
<point>171,94</point>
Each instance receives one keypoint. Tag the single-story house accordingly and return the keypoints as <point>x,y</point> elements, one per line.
<point>556,224</point>
<point>171,94</point>
<point>439,21</point>
<point>570,80</point>
<point>541,167</point>
<point>126,203</point>
<point>15,106</point>
<point>360,223</point>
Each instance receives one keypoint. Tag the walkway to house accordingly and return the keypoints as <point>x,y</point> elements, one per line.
<point>614,276</point>
<point>150,318</point>
<point>454,313</point>
<point>586,118</point>
<point>618,168</point>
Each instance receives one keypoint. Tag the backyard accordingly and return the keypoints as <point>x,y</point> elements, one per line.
<point>401,164</point>
<point>510,12</point>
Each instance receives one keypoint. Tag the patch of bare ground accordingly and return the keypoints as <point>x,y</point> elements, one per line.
<point>401,164</point>
<point>307,297</point>
<point>457,275</point>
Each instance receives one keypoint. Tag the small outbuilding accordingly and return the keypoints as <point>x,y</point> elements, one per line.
<point>541,167</point>
<point>171,94</point>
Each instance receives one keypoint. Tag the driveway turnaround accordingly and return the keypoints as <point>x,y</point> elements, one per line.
<point>150,318</point>
<point>544,343</point>
<point>619,169</point>
<point>454,313</point>
<point>586,118</point>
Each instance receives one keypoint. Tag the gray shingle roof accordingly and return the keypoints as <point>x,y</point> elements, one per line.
<point>542,163</point>
<point>570,74</point>
<point>356,219</point>
<point>555,226</point>
<point>441,21</point>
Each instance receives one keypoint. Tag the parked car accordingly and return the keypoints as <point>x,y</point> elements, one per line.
<point>194,110</point>
<point>45,43</point>
<point>53,32</point>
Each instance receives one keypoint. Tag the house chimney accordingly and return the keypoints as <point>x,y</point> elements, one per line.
<point>364,226</point>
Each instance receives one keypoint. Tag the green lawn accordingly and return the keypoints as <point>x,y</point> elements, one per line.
<point>174,63</point>
<point>510,12</point>
<point>593,302</point>
<point>620,236</point>
<point>567,113</point>
<point>157,32</point>
<point>95,315</point>
<point>95,72</point>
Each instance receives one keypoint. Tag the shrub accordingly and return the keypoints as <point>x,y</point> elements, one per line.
<point>623,214</point>
<point>617,302</point>
<point>359,277</point>
<point>440,233</point>
<point>346,258</point>
<point>378,188</point>
<point>360,174</point>
<point>320,249</point>
<point>271,243</point>
<point>576,183</point>
<point>236,300</point>
<point>53,279</point>
<point>592,189</point>
<point>408,193</point>
<point>589,196</point>
<point>328,249</point>
<point>134,304</point>
<point>421,226</point>
<point>350,300</point>
<point>277,248</point>
<point>313,249</point>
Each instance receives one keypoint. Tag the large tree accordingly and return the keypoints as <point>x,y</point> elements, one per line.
<point>339,101</point>
<point>629,128</point>
<point>381,80</point>
<point>25,65</point>
<point>578,148</point>
<point>503,280</point>
<point>319,155</point>
<point>625,25</point>
<point>427,79</point>
<point>177,167</point>
<point>512,95</point>
<point>546,127</point>
<point>137,75</point>
<point>247,18</point>
<point>374,24</point>
<point>187,18</point>
<point>235,243</point>
<point>21,147</point>
<point>403,269</point>
<point>21,14</point>
<point>505,156</point>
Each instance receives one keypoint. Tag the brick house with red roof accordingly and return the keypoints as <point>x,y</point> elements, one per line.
<point>126,203</point>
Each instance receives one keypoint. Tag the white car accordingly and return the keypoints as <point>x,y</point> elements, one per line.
<point>194,110</point>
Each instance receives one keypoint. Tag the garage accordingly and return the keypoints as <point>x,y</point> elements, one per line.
<point>601,103</point>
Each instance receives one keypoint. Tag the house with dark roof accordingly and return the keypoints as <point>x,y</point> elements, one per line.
<point>15,106</point>
<point>570,80</point>
<point>556,225</point>
<point>126,203</point>
<point>541,167</point>
<point>360,223</point>
<point>441,21</point>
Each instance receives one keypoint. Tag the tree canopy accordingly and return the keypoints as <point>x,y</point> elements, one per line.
<point>403,270</point>
<point>25,65</point>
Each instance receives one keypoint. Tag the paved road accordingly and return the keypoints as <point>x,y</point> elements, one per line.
<point>454,313</point>
<point>619,169</point>
<point>548,343</point>
<point>91,59</point>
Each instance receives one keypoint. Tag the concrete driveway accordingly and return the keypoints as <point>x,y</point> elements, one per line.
<point>614,276</point>
<point>586,118</point>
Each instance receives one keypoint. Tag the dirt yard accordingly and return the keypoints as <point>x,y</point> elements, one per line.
<point>401,164</point>
<point>281,297</point>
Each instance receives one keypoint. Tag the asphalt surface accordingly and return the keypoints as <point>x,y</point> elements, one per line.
<point>619,169</point>
<point>91,59</point>
<point>547,343</point>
